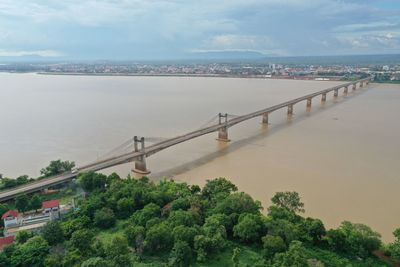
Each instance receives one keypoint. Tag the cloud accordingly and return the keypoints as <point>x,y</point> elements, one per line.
<point>40,53</point>
<point>130,29</point>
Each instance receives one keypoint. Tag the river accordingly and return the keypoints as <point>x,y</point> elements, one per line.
<point>341,156</point>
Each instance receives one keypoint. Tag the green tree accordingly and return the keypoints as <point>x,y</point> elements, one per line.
<point>159,237</point>
<point>288,200</point>
<point>180,204</point>
<point>181,255</point>
<point>53,233</point>
<point>294,257</point>
<point>135,235</point>
<point>104,218</point>
<point>125,207</point>
<point>142,216</point>
<point>249,229</point>
<point>181,217</point>
<point>394,248</point>
<point>91,181</point>
<point>72,225</point>
<point>218,188</point>
<point>235,257</point>
<point>22,203</point>
<point>23,179</point>
<point>31,253</point>
<point>355,239</point>
<point>35,203</point>
<point>96,262</point>
<point>272,245</point>
<point>23,236</point>
<point>3,209</point>
<point>315,229</point>
<point>82,240</point>
<point>53,260</point>
<point>57,167</point>
<point>118,246</point>
<point>184,233</point>
<point>8,183</point>
<point>236,204</point>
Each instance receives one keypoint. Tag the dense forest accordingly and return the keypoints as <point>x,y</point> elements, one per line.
<point>136,222</point>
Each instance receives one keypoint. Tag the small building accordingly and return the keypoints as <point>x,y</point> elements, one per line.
<point>52,208</point>
<point>10,218</point>
<point>4,241</point>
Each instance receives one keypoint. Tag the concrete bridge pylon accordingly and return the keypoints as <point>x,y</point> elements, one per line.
<point>223,131</point>
<point>140,163</point>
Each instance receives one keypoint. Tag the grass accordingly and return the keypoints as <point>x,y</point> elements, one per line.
<point>118,230</point>
<point>248,256</point>
<point>392,82</point>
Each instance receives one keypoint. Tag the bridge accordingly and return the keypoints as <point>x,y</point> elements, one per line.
<point>140,152</point>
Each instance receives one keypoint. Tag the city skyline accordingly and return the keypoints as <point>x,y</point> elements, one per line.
<point>165,30</point>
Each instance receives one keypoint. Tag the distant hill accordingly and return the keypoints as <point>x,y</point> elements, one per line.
<point>226,55</point>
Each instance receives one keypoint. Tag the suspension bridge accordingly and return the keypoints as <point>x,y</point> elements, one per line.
<point>134,149</point>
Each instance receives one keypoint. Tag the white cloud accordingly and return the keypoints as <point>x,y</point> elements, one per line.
<point>40,53</point>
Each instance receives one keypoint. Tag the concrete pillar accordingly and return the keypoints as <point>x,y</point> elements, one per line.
<point>290,110</point>
<point>323,99</point>
<point>223,134</point>
<point>346,90</point>
<point>354,86</point>
<point>265,118</point>
<point>223,131</point>
<point>361,84</point>
<point>140,163</point>
<point>336,93</point>
<point>309,103</point>
<point>366,82</point>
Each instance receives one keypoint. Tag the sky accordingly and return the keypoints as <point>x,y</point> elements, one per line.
<point>175,29</point>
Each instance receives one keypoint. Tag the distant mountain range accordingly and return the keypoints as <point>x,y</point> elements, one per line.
<point>232,56</point>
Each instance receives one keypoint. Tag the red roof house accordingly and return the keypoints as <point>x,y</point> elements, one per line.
<point>4,241</point>
<point>55,203</point>
<point>10,213</point>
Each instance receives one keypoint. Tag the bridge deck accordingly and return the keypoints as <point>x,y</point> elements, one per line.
<point>152,149</point>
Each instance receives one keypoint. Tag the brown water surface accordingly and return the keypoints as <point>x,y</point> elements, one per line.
<point>342,157</point>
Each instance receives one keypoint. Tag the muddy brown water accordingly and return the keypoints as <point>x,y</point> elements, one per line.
<point>342,157</point>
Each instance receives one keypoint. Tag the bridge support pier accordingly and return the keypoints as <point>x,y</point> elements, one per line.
<point>140,163</point>
<point>366,82</point>
<point>346,90</point>
<point>265,118</point>
<point>309,103</point>
<point>290,110</point>
<point>354,86</point>
<point>323,99</point>
<point>223,131</point>
<point>361,84</point>
<point>336,93</point>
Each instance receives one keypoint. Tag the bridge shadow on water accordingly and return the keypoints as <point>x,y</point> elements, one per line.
<point>264,131</point>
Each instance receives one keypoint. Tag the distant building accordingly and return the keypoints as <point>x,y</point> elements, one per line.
<point>10,218</point>
<point>51,208</point>
<point>13,223</point>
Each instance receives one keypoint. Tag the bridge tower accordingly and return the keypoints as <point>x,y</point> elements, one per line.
<point>223,131</point>
<point>140,163</point>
